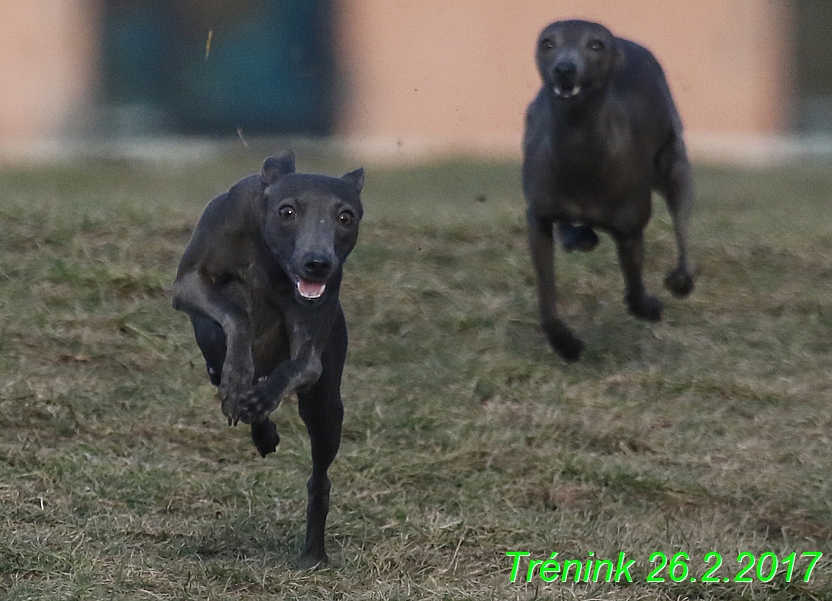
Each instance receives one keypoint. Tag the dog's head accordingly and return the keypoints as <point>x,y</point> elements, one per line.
<point>311,222</point>
<point>576,58</point>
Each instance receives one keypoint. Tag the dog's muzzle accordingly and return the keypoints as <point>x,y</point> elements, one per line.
<point>565,75</point>
<point>316,270</point>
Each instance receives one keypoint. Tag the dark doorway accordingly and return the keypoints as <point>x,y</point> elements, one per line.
<point>268,67</point>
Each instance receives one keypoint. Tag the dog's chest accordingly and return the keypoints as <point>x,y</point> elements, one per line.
<point>594,147</point>
<point>582,171</point>
<point>597,162</point>
<point>267,320</point>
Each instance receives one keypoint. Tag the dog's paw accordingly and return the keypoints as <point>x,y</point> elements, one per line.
<point>312,559</point>
<point>265,437</point>
<point>229,398</point>
<point>236,381</point>
<point>237,377</point>
<point>563,341</point>
<point>648,308</point>
<point>229,407</point>
<point>679,282</point>
<point>255,405</point>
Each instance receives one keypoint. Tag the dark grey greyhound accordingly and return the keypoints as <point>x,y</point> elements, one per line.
<point>601,134</point>
<point>260,281</point>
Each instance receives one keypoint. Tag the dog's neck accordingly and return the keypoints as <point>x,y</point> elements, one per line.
<point>582,128</point>
<point>576,111</point>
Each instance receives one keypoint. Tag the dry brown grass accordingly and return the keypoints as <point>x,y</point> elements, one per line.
<point>465,437</point>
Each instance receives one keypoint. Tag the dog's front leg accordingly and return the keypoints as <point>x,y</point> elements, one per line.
<point>678,191</point>
<point>542,248</point>
<point>302,369</point>
<point>631,258</point>
<point>194,295</point>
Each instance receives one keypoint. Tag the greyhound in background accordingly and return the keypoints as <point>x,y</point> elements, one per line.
<point>601,135</point>
<point>260,281</point>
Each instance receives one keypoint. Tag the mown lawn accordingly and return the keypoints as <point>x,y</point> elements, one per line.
<point>465,436</point>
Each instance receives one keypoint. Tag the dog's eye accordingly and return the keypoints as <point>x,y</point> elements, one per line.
<point>546,44</point>
<point>346,218</point>
<point>286,213</point>
<point>596,45</point>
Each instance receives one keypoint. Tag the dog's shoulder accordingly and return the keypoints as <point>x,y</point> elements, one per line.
<point>538,121</point>
<point>538,109</point>
<point>637,64</point>
<point>641,80</point>
<point>234,205</point>
<point>229,227</point>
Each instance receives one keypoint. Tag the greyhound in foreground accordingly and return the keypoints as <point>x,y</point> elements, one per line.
<point>601,134</point>
<point>260,281</point>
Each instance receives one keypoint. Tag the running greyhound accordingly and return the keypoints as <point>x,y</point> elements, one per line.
<point>601,135</point>
<point>260,280</point>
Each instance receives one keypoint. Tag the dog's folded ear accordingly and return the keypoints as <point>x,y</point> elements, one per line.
<point>355,179</point>
<point>277,166</point>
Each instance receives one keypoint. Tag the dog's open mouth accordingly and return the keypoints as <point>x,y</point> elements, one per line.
<point>566,91</point>
<point>310,290</point>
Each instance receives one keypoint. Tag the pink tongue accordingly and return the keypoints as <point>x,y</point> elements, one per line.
<point>310,289</point>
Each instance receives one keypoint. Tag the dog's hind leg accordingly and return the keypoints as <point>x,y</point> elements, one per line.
<point>265,437</point>
<point>211,340</point>
<point>577,237</point>
<point>676,186</point>
<point>322,411</point>
<point>631,258</point>
<point>542,248</point>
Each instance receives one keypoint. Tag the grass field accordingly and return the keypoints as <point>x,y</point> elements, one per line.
<point>465,437</point>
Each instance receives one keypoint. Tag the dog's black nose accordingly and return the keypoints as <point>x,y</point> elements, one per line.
<point>317,266</point>
<point>565,70</point>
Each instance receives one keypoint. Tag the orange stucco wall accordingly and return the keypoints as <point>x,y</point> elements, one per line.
<point>48,50</point>
<point>458,74</point>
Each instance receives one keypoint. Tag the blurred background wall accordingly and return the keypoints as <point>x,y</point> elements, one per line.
<point>389,77</point>
<point>48,63</point>
<point>463,72</point>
